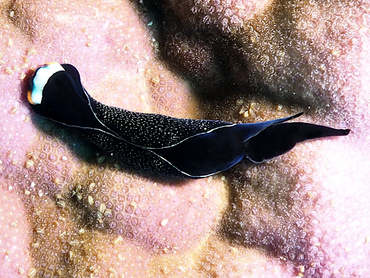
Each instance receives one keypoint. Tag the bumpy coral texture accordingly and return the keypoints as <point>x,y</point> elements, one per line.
<point>69,209</point>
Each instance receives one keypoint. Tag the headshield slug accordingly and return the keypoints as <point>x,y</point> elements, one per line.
<point>162,144</point>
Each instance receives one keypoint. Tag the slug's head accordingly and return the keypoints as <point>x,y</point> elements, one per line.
<point>57,94</point>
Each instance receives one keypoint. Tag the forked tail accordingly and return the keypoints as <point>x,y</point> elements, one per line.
<point>280,138</point>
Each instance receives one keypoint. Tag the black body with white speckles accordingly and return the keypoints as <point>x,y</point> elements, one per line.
<point>167,145</point>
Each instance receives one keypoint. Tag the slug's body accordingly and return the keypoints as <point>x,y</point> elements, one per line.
<point>158,143</point>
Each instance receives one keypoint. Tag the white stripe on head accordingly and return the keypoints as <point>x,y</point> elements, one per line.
<point>40,79</point>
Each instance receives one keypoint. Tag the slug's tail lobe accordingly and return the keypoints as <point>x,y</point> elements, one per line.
<point>280,138</point>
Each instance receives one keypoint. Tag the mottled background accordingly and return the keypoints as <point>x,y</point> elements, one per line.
<point>70,210</point>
